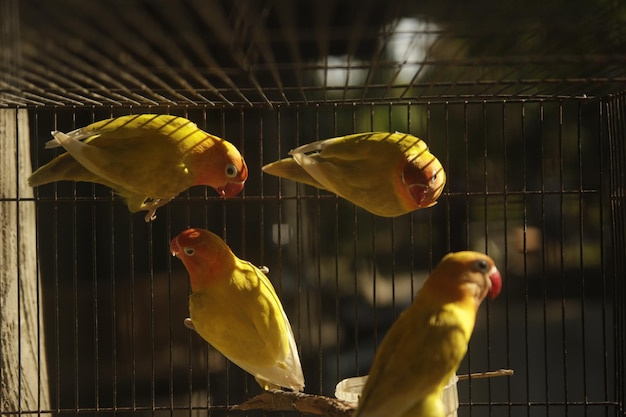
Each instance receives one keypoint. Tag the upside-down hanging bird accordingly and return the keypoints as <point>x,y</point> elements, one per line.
<point>388,174</point>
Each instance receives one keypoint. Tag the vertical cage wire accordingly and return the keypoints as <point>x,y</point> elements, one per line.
<point>616,129</point>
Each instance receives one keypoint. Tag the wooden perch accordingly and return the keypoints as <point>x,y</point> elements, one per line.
<point>276,400</point>
<point>488,374</point>
<point>319,405</point>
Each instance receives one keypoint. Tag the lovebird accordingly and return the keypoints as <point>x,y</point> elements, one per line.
<point>388,174</point>
<point>234,307</point>
<point>425,345</point>
<point>147,159</point>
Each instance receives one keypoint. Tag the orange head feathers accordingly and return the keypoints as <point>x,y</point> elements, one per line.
<point>425,178</point>
<point>204,255</point>
<point>220,166</point>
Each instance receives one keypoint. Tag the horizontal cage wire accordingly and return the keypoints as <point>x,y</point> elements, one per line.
<point>525,111</point>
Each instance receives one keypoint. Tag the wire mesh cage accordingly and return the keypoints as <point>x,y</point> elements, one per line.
<point>523,104</point>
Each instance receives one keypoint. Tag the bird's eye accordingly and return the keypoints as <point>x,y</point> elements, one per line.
<point>231,171</point>
<point>482,266</point>
<point>189,251</point>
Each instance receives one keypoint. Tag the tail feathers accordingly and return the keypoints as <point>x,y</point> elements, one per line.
<point>53,143</point>
<point>62,168</point>
<point>289,168</point>
<point>283,373</point>
<point>77,134</point>
<point>275,376</point>
<point>287,373</point>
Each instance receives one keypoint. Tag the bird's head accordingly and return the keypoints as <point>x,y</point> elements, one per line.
<point>424,177</point>
<point>220,166</point>
<point>204,254</point>
<point>466,275</point>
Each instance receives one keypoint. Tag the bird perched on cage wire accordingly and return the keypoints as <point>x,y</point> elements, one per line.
<point>234,307</point>
<point>147,159</point>
<point>425,345</point>
<point>388,174</point>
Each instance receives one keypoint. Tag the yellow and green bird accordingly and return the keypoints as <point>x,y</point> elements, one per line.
<point>147,159</point>
<point>388,174</point>
<point>234,307</point>
<point>425,345</point>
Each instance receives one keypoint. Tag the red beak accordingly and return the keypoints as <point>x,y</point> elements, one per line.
<point>174,247</point>
<point>231,189</point>
<point>496,283</point>
<point>419,192</point>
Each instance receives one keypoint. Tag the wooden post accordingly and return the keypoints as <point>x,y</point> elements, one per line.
<point>23,371</point>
